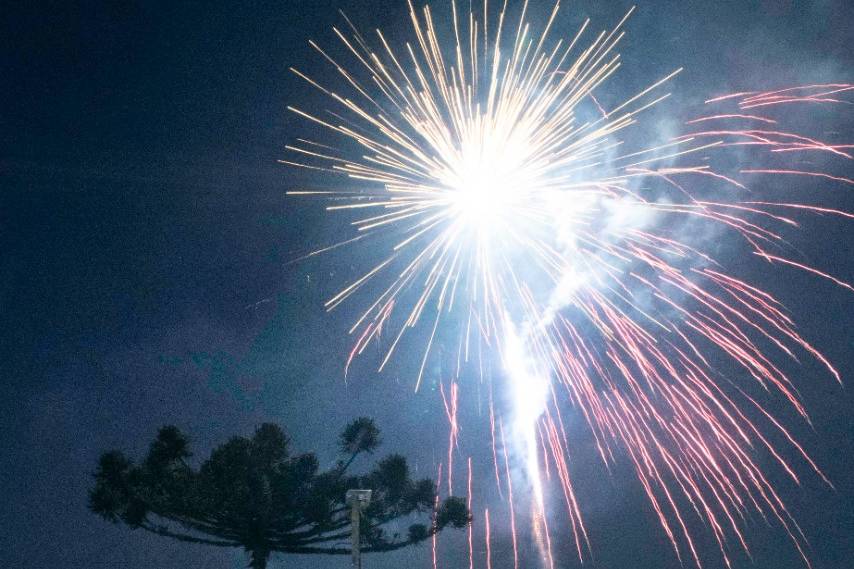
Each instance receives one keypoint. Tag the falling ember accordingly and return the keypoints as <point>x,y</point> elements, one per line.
<point>521,214</point>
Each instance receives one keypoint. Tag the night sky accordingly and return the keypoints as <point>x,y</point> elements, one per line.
<point>145,240</point>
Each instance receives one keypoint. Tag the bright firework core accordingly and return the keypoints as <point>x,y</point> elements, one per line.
<point>490,181</point>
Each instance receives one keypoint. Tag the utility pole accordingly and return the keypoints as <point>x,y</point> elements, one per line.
<point>357,499</point>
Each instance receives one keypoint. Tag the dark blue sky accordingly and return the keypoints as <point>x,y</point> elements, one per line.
<point>144,235</point>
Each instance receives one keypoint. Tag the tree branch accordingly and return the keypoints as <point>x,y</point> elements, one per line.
<point>341,551</point>
<point>186,538</point>
<point>197,524</point>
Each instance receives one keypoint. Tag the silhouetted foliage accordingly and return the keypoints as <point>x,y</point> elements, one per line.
<point>252,493</point>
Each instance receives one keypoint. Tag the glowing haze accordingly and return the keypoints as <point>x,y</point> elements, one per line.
<point>521,214</point>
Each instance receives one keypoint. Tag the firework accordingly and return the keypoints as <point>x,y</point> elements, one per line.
<point>519,215</point>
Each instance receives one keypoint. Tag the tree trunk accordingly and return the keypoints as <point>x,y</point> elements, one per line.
<point>258,558</point>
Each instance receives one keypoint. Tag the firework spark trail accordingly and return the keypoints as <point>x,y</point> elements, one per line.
<point>494,448</point>
<point>451,405</point>
<point>529,390</point>
<point>433,540</point>
<point>522,218</point>
<point>487,539</point>
<point>510,501</point>
<point>469,505</point>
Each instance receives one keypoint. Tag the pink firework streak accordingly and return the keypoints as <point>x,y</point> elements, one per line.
<point>519,217</point>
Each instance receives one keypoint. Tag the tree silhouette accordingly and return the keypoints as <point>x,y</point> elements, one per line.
<point>252,493</point>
